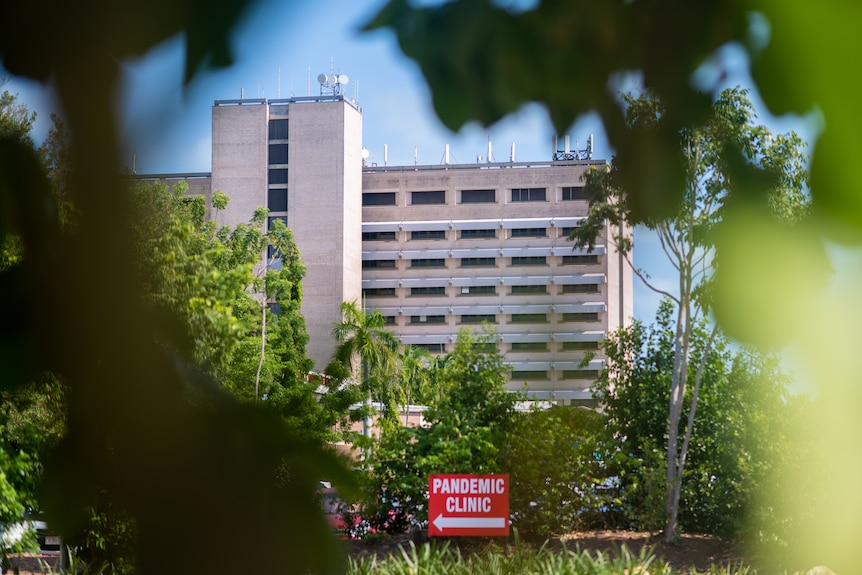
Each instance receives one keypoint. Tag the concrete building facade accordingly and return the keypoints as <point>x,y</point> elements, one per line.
<point>434,248</point>
<point>300,158</point>
<point>446,247</point>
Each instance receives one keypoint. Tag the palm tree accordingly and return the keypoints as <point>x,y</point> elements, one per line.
<point>414,363</point>
<point>366,346</point>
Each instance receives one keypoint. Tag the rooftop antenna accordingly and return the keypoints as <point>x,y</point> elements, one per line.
<point>489,150</point>
<point>385,154</point>
<point>242,93</point>
<point>512,153</point>
<point>332,84</point>
<point>567,154</point>
<point>415,155</point>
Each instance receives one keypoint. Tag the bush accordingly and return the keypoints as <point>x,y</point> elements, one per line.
<point>558,479</point>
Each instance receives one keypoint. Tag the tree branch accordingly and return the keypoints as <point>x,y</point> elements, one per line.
<point>695,394</point>
<point>644,278</point>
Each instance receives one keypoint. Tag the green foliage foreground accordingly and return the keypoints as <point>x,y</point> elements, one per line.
<point>441,559</point>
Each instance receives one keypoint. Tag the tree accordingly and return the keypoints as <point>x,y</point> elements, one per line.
<point>16,121</point>
<point>467,426</point>
<point>243,316</point>
<point>744,421</point>
<point>366,346</point>
<point>414,381</point>
<point>711,185</point>
<point>31,414</point>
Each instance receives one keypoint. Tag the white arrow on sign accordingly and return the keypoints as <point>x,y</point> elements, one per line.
<point>469,522</point>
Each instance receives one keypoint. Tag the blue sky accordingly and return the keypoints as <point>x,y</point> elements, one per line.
<point>282,47</point>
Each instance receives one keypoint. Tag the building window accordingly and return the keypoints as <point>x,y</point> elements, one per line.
<point>276,200</point>
<point>428,290</point>
<point>529,289</point>
<point>428,263</point>
<point>278,129</point>
<point>427,198</point>
<point>428,235</point>
<point>378,236</point>
<point>479,318</point>
<point>529,261</point>
<point>529,318</point>
<point>478,196</point>
<point>378,264</point>
<point>431,347</point>
<point>277,154</point>
<point>478,290</point>
<point>478,234</point>
<point>378,292</point>
<point>530,346</point>
<point>478,262</point>
<point>277,175</point>
<point>581,316</point>
<point>565,232</point>
<point>580,260</point>
<point>580,345</point>
<point>388,320</point>
<point>271,219</point>
<point>572,193</point>
<point>529,374</point>
<point>580,288</point>
<point>580,374</point>
<point>379,199</point>
<point>528,233</point>
<point>528,194</point>
<point>427,319</point>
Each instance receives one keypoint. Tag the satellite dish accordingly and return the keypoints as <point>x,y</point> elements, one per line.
<point>365,154</point>
<point>343,79</point>
<point>321,78</point>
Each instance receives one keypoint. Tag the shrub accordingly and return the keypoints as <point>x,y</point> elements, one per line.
<point>558,480</point>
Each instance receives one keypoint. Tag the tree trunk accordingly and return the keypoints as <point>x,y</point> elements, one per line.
<point>262,350</point>
<point>695,395</point>
<point>677,397</point>
<point>407,413</point>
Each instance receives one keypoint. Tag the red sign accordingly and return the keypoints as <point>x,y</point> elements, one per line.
<point>468,505</point>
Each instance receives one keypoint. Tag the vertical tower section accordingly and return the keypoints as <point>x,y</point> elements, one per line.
<point>302,159</point>
<point>325,212</point>
<point>239,160</point>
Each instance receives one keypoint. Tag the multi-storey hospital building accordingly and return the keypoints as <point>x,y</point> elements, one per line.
<point>434,248</point>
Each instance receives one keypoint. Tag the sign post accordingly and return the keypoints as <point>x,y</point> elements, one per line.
<point>463,504</point>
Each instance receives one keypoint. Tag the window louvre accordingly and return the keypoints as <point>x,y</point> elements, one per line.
<point>528,194</point>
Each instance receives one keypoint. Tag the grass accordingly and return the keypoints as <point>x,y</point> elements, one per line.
<point>443,560</point>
